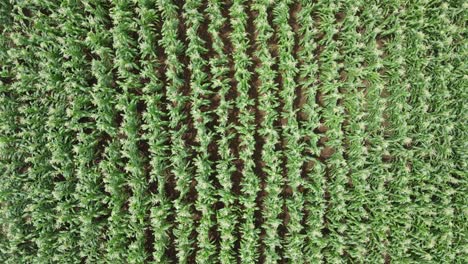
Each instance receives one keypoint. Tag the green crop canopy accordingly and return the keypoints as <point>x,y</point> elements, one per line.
<point>210,131</point>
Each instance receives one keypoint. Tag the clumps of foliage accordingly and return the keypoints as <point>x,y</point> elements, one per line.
<point>156,131</point>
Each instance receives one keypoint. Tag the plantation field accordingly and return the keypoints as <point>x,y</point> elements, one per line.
<point>262,131</point>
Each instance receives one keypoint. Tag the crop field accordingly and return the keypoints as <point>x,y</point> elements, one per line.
<point>209,131</point>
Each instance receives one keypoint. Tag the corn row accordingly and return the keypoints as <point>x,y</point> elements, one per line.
<point>419,96</point>
<point>456,81</point>
<point>250,182</point>
<point>377,147</point>
<point>314,202</point>
<point>333,119</point>
<point>398,113</point>
<point>226,217</point>
<point>291,135</point>
<point>268,104</point>
<point>60,143</point>
<point>105,95</point>
<point>155,125</point>
<point>16,244</point>
<point>177,123</point>
<point>356,151</point>
<point>200,92</point>
<point>88,191</point>
<point>441,126</point>
<point>43,157</point>
<point>128,68</point>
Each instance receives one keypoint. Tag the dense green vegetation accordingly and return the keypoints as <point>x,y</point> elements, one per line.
<point>288,131</point>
